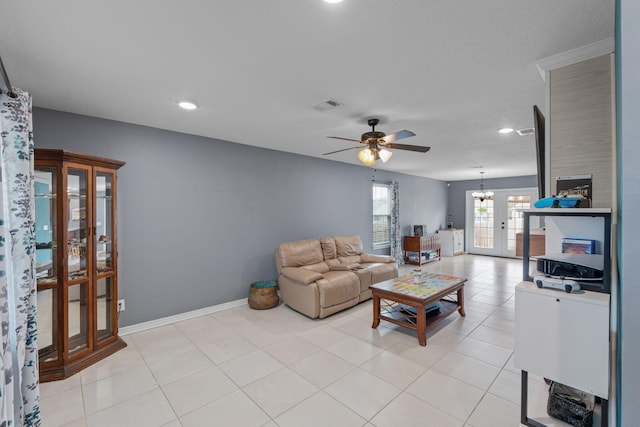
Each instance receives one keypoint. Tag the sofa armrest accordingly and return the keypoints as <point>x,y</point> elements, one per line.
<point>344,267</point>
<point>377,258</point>
<point>301,275</point>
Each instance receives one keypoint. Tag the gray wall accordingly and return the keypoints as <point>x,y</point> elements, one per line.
<point>198,218</point>
<point>457,192</point>
<point>628,159</point>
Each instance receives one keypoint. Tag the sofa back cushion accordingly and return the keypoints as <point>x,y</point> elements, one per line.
<point>328,248</point>
<point>350,260</point>
<point>348,245</point>
<point>298,254</point>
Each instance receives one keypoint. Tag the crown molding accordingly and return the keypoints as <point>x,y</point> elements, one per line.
<point>593,50</point>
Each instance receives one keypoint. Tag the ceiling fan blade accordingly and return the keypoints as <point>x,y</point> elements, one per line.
<point>418,148</point>
<point>398,135</point>
<point>345,139</point>
<point>337,151</point>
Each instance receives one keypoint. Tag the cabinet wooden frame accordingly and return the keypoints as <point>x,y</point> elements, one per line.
<point>427,244</point>
<point>66,357</point>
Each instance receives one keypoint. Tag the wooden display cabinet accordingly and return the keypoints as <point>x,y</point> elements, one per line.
<point>76,261</point>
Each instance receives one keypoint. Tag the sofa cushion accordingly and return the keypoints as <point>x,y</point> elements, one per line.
<point>377,258</point>
<point>298,254</point>
<point>348,245</point>
<point>364,276</point>
<point>381,272</point>
<point>332,262</point>
<point>336,287</point>
<point>354,259</point>
<point>328,248</point>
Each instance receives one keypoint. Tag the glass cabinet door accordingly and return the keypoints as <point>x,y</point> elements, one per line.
<point>104,254</point>
<point>78,298</point>
<point>77,225</point>
<point>105,306</point>
<point>46,261</point>
<point>104,222</point>
<point>78,284</point>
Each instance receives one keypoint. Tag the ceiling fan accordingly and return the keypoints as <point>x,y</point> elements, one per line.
<point>377,144</point>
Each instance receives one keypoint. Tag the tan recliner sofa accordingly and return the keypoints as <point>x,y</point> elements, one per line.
<point>323,276</point>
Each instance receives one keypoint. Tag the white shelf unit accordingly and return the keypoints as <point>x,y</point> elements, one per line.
<point>592,223</point>
<point>565,337</point>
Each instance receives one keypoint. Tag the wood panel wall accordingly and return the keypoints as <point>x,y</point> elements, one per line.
<point>581,126</point>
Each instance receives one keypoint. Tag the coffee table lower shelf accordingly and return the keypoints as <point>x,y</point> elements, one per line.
<point>398,314</point>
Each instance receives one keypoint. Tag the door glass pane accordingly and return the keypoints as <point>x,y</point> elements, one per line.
<point>515,218</point>
<point>105,307</point>
<point>45,206</point>
<point>77,306</point>
<point>104,222</point>
<point>47,325</point>
<point>483,216</point>
<point>77,223</point>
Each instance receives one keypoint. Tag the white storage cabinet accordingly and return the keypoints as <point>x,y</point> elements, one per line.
<point>451,242</point>
<point>564,337</point>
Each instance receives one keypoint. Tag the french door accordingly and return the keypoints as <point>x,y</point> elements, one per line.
<point>492,224</point>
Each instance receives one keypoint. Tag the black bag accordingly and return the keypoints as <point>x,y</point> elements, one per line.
<point>570,405</point>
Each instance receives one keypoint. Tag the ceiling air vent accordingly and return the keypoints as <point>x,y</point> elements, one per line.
<point>525,131</point>
<point>328,104</point>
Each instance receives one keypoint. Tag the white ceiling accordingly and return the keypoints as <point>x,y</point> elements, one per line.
<point>451,71</point>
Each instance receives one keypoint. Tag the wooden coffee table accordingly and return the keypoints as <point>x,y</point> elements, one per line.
<point>405,303</point>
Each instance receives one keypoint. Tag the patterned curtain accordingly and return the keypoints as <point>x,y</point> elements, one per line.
<point>396,244</point>
<point>19,392</point>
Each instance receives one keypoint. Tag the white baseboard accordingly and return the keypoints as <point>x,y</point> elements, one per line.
<point>126,330</point>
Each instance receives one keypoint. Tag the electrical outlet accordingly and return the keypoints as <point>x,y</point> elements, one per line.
<point>120,305</point>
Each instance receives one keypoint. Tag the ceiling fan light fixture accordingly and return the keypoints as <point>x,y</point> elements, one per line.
<point>384,154</point>
<point>378,144</point>
<point>367,157</point>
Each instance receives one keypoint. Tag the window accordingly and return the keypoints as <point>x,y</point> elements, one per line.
<point>381,215</point>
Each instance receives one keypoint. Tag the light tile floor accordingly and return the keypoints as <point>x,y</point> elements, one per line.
<point>243,367</point>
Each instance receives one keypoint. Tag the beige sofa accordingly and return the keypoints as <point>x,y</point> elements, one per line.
<point>323,276</point>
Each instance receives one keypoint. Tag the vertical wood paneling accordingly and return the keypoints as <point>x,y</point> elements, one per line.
<point>581,129</point>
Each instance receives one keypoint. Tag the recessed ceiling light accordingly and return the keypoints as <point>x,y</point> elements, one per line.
<point>187,105</point>
<point>505,130</point>
<point>332,1</point>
